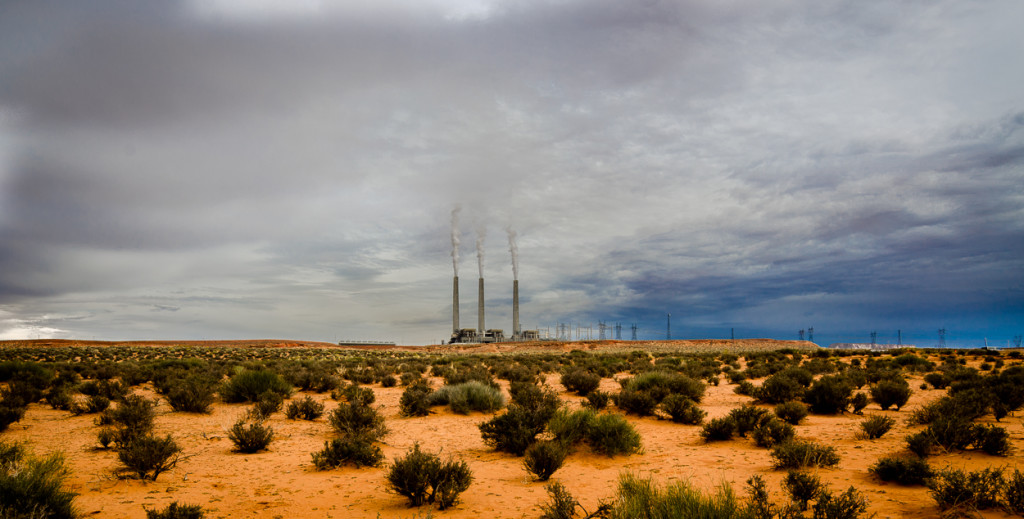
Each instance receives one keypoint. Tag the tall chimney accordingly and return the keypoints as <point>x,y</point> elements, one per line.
<point>515,308</point>
<point>480,309</point>
<point>455,305</point>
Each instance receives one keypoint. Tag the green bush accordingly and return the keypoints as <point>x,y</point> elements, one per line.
<point>858,403</point>
<point>424,478</point>
<point>250,437</point>
<point>192,395</point>
<point>147,456</point>
<point>991,439</point>
<point>93,404</point>
<point>560,505</point>
<point>249,385</point>
<point>660,384</point>
<point>415,400</point>
<point>570,427</point>
<point>388,380</point>
<point>771,431</point>
<point>746,418</point>
<point>337,452</point>
<point>266,404</point>
<point>920,443</point>
<point>514,430</point>
<point>972,490</point>
<point>60,398</point>
<point>611,434</point>
<point>357,420</point>
<point>829,395</point>
<point>791,412</point>
<point>580,381</point>
<point>133,417</point>
<point>876,426</point>
<point>305,409</point>
<point>848,505</point>
<point>637,497</point>
<point>890,393</point>
<point>904,470</point>
<point>32,487</point>
<point>468,396</point>
<point>597,400</point>
<point>542,459</point>
<point>782,387</point>
<point>1014,493</point>
<point>683,410</point>
<point>802,487</point>
<point>635,402</point>
<point>718,429</point>
<point>176,511</point>
<point>797,454</point>
<point>938,380</point>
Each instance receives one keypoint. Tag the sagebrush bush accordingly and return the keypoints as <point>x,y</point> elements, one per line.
<point>468,396</point>
<point>249,385</point>
<point>176,511</point>
<point>783,386</point>
<point>357,420</point>
<point>304,409</point>
<point>890,393</point>
<point>746,418</point>
<point>682,410</point>
<point>858,403</point>
<point>771,431</point>
<point>192,395</point>
<point>802,487</point>
<point>610,434</point>
<point>93,404</point>
<point>597,400</point>
<point>415,400</point>
<point>660,384</point>
<point>797,454</point>
<point>570,427</point>
<point>876,426</point>
<point>560,505</point>
<point>542,459</point>
<point>991,439</point>
<point>920,443</point>
<point>423,478</point>
<point>131,418</point>
<point>791,412</point>
<point>851,504</point>
<point>356,451</point>
<point>642,497</point>
<point>580,381</point>
<point>957,488</point>
<point>904,470</point>
<point>266,404</point>
<point>635,402</point>
<point>32,487</point>
<point>1014,493</point>
<point>829,395</point>
<point>250,437</point>
<point>718,429</point>
<point>147,456</point>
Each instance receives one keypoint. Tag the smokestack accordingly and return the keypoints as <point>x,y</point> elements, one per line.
<point>480,308</point>
<point>515,308</point>
<point>455,305</point>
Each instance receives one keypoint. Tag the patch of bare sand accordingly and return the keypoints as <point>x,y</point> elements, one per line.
<point>281,482</point>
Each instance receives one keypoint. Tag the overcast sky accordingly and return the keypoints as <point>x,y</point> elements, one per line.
<point>219,169</point>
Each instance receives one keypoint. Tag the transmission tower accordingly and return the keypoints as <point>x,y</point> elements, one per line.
<point>634,331</point>
<point>618,331</point>
<point>942,337</point>
<point>1016,341</point>
<point>874,337</point>
<point>899,337</point>
<point>801,332</point>
<point>668,327</point>
<point>600,327</point>
<point>810,334</point>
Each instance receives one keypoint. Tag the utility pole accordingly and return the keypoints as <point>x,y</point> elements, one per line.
<point>732,334</point>
<point>899,337</point>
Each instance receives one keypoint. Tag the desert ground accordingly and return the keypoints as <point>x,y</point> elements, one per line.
<point>282,482</point>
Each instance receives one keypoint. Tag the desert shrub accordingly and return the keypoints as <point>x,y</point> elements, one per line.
<point>876,426</point>
<point>802,487</point>
<point>512,431</point>
<point>952,433</point>
<point>920,443</point>
<point>542,400</point>
<point>791,412</point>
<point>388,380</point>
<point>718,429</point>
<point>991,439</point>
<point>60,398</point>
<point>890,393</point>
<point>597,400</point>
<point>424,478</point>
<point>176,511</point>
<point>32,487</point>
<point>266,404</point>
<point>660,384</point>
<point>858,403</point>
<point>829,395</point>
<point>560,505</point>
<point>635,402</point>
<point>570,427</point>
<point>746,418</point>
<point>772,431</point>
<point>580,381</point>
<point>611,434</point>
<point>1014,493</point>
<point>904,470</point>
<point>305,409</point>
<point>640,497</point>
<point>354,394</point>
<point>250,437</point>
<point>356,420</point>
<point>848,505</point>
<point>192,395</point>
<point>93,404</point>
<point>957,488</point>
<point>133,417</point>
<point>249,385</point>
<point>797,454</point>
<point>357,451</point>
<point>745,388</point>
<point>782,387</point>
<point>468,396</point>
<point>147,456</point>
<point>542,459</point>
<point>937,379</point>
<point>415,400</point>
<point>682,410</point>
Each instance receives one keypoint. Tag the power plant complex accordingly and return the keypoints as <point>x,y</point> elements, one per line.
<point>481,333</point>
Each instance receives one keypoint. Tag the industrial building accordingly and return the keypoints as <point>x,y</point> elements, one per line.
<point>481,333</point>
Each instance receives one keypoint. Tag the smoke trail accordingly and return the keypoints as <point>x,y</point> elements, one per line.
<point>455,239</point>
<point>481,233</point>
<point>514,250</point>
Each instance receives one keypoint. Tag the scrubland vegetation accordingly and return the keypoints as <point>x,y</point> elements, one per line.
<point>542,409</point>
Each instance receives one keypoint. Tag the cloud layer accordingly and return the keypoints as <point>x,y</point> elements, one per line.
<point>244,169</point>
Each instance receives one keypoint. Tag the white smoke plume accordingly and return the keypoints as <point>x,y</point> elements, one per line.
<point>481,233</point>
<point>455,239</point>
<point>514,250</point>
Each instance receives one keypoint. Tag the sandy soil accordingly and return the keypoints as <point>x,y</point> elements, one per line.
<point>282,483</point>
